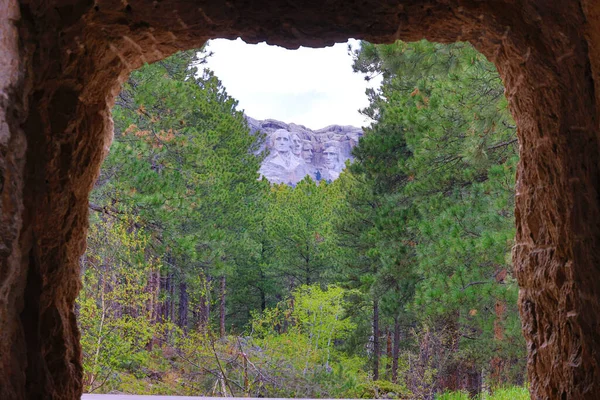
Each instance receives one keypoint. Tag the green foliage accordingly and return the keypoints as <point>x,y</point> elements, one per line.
<point>442,155</point>
<point>298,220</point>
<point>393,281</point>
<point>299,336</point>
<point>509,393</point>
<point>113,312</point>
<point>381,390</point>
<point>314,316</point>
<point>184,162</point>
<point>183,157</point>
<point>183,172</point>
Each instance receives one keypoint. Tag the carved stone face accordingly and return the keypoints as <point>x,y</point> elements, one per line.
<point>308,153</point>
<point>296,145</point>
<point>331,157</point>
<point>281,141</point>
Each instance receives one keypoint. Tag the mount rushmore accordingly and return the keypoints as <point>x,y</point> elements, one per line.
<point>295,151</point>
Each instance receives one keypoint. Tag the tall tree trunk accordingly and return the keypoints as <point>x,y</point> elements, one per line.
<point>222,306</point>
<point>388,353</point>
<point>396,349</point>
<point>263,300</point>
<point>204,306</point>
<point>164,287</point>
<point>376,350</point>
<point>498,364</point>
<point>307,262</point>
<point>171,300</point>
<point>263,295</point>
<point>103,311</point>
<point>451,379</point>
<point>150,291</point>
<point>183,306</point>
<point>167,309</point>
<point>155,303</point>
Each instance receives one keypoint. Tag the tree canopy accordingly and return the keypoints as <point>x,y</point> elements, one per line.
<point>393,280</point>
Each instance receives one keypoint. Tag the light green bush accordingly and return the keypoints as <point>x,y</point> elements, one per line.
<point>509,393</point>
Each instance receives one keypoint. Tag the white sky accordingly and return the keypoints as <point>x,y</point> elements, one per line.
<point>310,87</point>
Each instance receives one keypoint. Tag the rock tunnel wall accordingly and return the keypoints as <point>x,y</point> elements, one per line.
<point>61,65</point>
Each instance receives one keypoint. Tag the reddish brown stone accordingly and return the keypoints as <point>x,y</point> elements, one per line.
<point>61,64</point>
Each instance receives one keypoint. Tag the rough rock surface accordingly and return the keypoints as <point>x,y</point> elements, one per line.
<point>320,154</point>
<point>62,63</point>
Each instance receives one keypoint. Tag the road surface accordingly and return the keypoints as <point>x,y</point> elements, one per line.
<point>138,397</point>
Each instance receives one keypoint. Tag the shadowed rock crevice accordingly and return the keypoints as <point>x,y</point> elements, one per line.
<point>62,63</point>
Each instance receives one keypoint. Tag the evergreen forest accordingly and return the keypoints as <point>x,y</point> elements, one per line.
<point>393,281</point>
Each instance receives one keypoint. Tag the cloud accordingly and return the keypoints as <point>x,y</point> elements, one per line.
<point>311,87</point>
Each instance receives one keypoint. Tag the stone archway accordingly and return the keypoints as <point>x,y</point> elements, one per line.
<point>61,64</point>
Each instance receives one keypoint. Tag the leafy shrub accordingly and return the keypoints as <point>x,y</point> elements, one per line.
<point>508,393</point>
<point>381,390</point>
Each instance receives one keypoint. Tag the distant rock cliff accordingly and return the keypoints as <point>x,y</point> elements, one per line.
<point>296,151</point>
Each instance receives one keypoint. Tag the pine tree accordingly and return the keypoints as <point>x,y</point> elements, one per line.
<point>184,161</point>
<point>444,146</point>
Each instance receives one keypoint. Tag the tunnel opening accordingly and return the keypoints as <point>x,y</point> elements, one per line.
<point>194,268</point>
